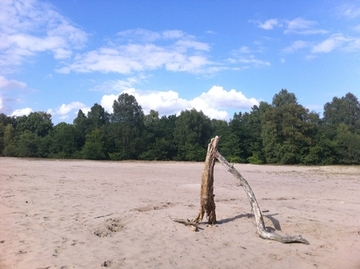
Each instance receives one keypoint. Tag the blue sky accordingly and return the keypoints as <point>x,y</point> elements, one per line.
<point>217,56</point>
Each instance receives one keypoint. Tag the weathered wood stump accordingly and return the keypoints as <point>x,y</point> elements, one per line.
<point>207,202</point>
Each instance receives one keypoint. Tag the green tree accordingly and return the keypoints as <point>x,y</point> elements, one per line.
<point>28,144</point>
<point>9,141</point>
<point>347,145</point>
<point>81,124</point>
<point>126,128</point>
<point>38,123</point>
<point>192,133</point>
<point>343,110</point>
<point>4,122</point>
<point>95,148</point>
<point>254,126</point>
<point>221,128</point>
<point>64,141</point>
<point>97,117</point>
<point>287,130</point>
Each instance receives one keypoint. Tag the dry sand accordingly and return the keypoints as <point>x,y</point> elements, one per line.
<point>91,214</point>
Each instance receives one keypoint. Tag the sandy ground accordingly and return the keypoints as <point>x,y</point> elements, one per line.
<point>91,214</point>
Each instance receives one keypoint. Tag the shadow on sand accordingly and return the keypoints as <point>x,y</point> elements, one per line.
<point>274,221</point>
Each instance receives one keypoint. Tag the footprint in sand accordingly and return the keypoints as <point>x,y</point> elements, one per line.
<point>111,225</point>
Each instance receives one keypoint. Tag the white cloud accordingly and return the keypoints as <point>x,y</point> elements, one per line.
<point>119,85</point>
<point>353,45</point>
<point>125,59</point>
<point>349,11</point>
<point>303,27</point>
<point>335,41</point>
<point>297,45</point>
<point>29,27</point>
<point>215,103</point>
<point>7,84</point>
<point>21,112</point>
<point>166,103</point>
<point>269,24</point>
<point>139,34</point>
<point>245,55</point>
<point>328,45</point>
<point>65,109</point>
<point>253,61</point>
<point>143,35</point>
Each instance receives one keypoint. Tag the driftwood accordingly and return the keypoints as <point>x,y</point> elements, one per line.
<point>207,203</point>
<point>255,208</point>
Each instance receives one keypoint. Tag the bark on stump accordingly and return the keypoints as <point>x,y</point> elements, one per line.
<point>207,203</point>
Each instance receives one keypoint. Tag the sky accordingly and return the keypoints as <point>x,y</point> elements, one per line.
<point>216,56</point>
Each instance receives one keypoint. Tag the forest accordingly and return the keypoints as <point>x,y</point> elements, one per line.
<point>283,132</point>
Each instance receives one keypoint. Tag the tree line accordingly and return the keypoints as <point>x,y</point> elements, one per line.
<point>283,132</point>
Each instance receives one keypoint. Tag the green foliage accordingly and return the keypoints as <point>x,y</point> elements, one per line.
<point>235,159</point>
<point>288,130</point>
<point>127,127</point>
<point>192,132</point>
<point>94,148</point>
<point>38,123</point>
<point>63,141</point>
<point>344,110</point>
<point>283,132</point>
<point>254,159</point>
<point>348,145</point>
<point>28,144</point>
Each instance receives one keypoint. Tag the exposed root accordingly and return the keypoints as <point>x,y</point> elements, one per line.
<point>192,224</point>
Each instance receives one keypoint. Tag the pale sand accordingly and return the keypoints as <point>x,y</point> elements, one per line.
<point>55,214</point>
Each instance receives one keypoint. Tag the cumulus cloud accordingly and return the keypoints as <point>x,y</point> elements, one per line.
<point>166,102</point>
<point>303,27</point>
<point>21,112</point>
<point>215,103</point>
<point>29,27</point>
<point>65,109</point>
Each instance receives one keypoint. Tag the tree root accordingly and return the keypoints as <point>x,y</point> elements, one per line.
<point>192,224</point>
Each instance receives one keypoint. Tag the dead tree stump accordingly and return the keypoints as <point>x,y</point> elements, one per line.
<point>207,203</point>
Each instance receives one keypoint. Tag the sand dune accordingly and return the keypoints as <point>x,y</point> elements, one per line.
<point>91,214</point>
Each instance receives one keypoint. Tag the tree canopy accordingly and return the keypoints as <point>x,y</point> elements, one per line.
<point>282,132</point>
